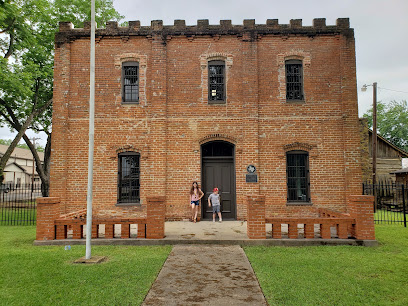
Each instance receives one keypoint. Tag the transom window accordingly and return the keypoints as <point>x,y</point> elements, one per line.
<point>217,148</point>
<point>297,172</point>
<point>216,81</point>
<point>130,81</point>
<point>129,178</point>
<point>294,80</point>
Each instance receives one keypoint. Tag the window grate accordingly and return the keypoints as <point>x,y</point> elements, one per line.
<point>129,178</point>
<point>216,81</point>
<point>297,177</point>
<point>294,82</point>
<point>130,83</point>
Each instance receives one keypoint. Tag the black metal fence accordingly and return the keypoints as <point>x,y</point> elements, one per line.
<point>18,204</point>
<point>391,202</point>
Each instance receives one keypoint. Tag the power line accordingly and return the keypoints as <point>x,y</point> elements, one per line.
<point>393,90</point>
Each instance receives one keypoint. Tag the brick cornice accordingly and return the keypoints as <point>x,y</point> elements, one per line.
<point>68,33</point>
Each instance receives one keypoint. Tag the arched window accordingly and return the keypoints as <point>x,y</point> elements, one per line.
<point>129,178</point>
<point>294,80</point>
<point>297,173</point>
<point>130,82</point>
<point>216,81</point>
<point>217,148</point>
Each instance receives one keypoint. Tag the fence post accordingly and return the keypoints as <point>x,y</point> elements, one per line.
<point>47,212</point>
<point>404,210</point>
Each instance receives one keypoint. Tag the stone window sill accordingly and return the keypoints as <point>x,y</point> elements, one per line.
<point>216,102</point>
<point>128,204</point>
<point>295,101</point>
<point>299,203</point>
<point>130,103</point>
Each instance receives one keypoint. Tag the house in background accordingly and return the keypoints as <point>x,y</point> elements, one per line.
<point>401,176</point>
<point>20,168</point>
<point>389,157</point>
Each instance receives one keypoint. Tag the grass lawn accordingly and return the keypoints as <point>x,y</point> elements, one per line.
<point>32,275</point>
<point>341,275</point>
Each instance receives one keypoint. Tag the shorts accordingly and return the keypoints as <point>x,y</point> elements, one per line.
<point>216,209</point>
<point>195,202</point>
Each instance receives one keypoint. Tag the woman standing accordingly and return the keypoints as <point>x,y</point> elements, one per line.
<point>195,195</point>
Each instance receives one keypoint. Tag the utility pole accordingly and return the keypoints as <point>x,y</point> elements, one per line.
<point>374,140</point>
<point>91,136</point>
<point>375,144</point>
<point>374,132</point>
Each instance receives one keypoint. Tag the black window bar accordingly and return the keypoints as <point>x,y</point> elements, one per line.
<point>297,171</point>
<point>216,81</point>
<point>294,80</point>
<point>130,82</point>
<point>129,178</point>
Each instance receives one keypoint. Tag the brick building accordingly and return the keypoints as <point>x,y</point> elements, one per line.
<point>175,104</point>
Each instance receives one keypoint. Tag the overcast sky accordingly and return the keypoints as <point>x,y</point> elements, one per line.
<point>380,28</point>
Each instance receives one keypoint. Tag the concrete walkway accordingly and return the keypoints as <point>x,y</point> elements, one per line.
<point>206,230</point>
<point>206,275</point>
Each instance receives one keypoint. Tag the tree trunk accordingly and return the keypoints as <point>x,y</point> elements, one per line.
<point>41,167</point>
<point>45,184</point>
<point>21,132</point>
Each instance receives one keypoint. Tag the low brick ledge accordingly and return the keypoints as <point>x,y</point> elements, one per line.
<point>345,227</point>
<point>317,220</point>
<point>64,221</point>
<point>77,225</point>
<point>244,242</point>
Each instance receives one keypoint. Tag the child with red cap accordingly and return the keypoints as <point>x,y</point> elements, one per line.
<point>214,200</point>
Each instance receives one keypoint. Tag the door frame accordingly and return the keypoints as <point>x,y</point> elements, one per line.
<point>220,158</point>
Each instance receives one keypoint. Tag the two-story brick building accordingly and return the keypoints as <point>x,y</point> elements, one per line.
<point>175,104</point>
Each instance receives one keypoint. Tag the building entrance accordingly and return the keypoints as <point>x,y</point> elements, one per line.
<point>218,170</point>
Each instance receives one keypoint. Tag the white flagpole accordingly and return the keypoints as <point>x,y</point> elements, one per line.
<point>91,136</point>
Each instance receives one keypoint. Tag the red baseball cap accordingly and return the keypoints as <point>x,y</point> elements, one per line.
<point>215,189</point>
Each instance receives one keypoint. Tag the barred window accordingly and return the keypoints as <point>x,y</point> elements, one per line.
<point>129,178</point>
<point>297,172</point>
<point>216,81</point>
<point>294,80</point>
<point>130,82</point>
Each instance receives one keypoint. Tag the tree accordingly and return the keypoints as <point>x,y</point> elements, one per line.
<point>27,30</point>
<point>7,142</point>
<point>392,122</point>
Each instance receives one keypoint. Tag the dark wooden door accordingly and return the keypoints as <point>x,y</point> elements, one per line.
<point>219,173</point>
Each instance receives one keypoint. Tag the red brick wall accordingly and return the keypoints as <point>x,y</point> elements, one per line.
<point>173,118</point>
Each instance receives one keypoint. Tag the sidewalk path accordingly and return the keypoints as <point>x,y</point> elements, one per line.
<point>206,230</point>
<point>206,275</point>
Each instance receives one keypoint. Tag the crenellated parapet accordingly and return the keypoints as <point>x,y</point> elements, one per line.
<point>67,32</point>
